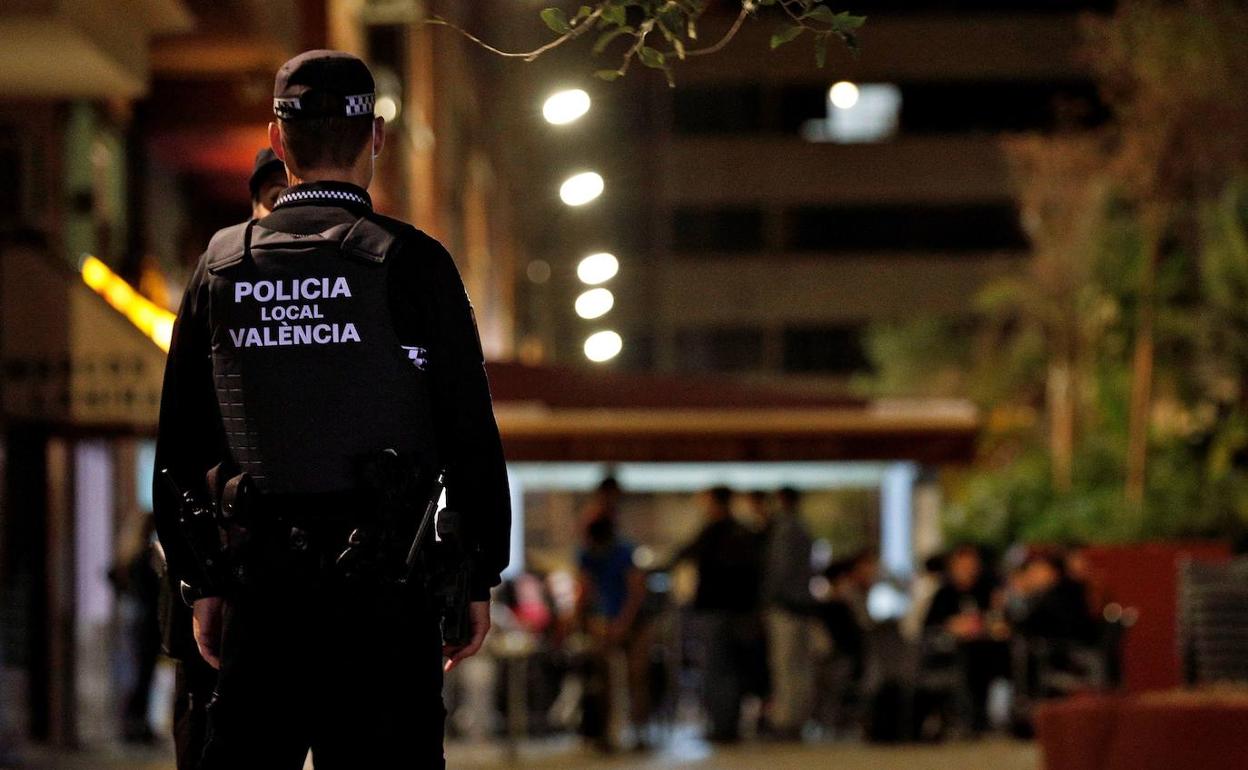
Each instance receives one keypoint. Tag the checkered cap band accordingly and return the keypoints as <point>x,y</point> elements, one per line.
<point>322,104</point>
<point>360,104</point>
<point>286,107</point>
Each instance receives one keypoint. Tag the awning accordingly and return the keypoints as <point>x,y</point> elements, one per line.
<point>94,49</point>
<point>66,356</point>
<point>551,414</point>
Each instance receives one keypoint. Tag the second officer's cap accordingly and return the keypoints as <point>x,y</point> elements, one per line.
<point>324,84</point>
<point>267,163</point>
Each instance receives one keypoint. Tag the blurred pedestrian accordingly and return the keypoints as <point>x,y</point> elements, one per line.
<point>138,581</point>
<point>788,607</point>
<point>613,591</point>
<point>762,513</point>
<point>922,589</point>
<point>727,555</point>
<point>194,678</point>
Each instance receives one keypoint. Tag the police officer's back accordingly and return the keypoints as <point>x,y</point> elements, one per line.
<point>325,365</point>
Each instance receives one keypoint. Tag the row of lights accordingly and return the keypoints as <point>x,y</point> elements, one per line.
<point>566,107</point>
<point>594,270</point>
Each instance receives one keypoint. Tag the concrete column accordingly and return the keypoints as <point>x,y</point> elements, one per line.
<point>928,539</point>
<point>897,519</point>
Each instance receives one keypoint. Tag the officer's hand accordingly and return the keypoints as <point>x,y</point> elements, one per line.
<point>206,623</point>
<point>480,612</point>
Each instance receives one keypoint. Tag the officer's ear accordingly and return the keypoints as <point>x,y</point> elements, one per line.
<point>275,141</point>
<point>379,135</point>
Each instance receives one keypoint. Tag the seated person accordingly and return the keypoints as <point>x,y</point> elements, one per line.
<point>963,629</point>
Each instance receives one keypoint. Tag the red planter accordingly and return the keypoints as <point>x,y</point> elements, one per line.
<point>1145,576</point>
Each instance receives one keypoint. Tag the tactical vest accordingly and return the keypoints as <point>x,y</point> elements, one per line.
<point>310,375</point>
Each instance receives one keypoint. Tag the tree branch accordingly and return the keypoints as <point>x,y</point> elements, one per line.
<point>725,40</point>
<point>575,32</point>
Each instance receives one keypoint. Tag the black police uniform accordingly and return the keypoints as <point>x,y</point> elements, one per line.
<point>306,341</point>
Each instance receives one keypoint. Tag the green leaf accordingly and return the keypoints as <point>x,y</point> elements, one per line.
<point>820,13</point>
<point>844,22</point>
<point>821,51</point>
<point>607,75</point>
<point>583,13</point>
<point>652,57</point>
<point>615,14</point>
<point>841,22</point>
<point>605,38</point>
<point>671,19</point>
<point>679,47</point>
<point>785,34</point>
<point>851,42</point>
<point>557,20</point>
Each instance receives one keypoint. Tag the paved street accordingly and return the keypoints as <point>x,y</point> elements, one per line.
<point>566,755</point>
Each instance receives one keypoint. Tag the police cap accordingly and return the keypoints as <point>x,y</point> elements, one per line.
<point>267,163</point>
<point>324,84</point>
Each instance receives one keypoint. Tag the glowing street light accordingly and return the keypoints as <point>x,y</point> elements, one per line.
<point>594,303</point>
<point>582,188</point>
<point>603,346</point>
<point>565,106</point>
<point>597,268</point>
<point>843,95</point>
<point>387,108</point>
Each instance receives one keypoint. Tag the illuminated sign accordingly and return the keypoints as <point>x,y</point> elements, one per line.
<point>148,317</point>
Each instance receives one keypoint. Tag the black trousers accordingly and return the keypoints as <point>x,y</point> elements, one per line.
<point>193,687</point>
<point>354,674</point>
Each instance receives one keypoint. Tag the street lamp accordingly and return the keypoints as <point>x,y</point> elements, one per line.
<point>603,346</point>
<point>597,268</point>
<point>565,106</point>
<point>843,95</point>
<point>594,303</point>
<point>582,188</point>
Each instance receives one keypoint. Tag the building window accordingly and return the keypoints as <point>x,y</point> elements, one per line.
<point>711,230</point>
<point>826,350</point>
<point>918,228</point>
<point>720,350</point>
<point>995,107</point>
<point>718,110</point>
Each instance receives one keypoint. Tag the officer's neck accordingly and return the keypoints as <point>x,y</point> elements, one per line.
<point>360,177</point>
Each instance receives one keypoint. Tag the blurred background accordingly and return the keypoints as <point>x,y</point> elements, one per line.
<point>889,413</point>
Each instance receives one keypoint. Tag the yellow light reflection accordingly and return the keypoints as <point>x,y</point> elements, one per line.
<point>153,320</point>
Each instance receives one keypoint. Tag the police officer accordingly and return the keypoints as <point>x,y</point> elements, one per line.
<point>309,343</point>
<point>267,182</point>
<point>194,678</point>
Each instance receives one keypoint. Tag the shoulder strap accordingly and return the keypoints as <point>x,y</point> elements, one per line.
<point>365,239</point>
<point>228,246</point>
<point>369,240</point>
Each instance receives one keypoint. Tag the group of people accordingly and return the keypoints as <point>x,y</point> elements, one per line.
<point>779,645</point>
<point>988,627</point>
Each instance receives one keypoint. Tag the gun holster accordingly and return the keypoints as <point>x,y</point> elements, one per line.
<point>234,497</point>
<point>373,551</point>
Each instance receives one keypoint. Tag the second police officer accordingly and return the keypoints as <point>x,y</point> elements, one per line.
<point>194,678</point>
<point>321,354</point>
